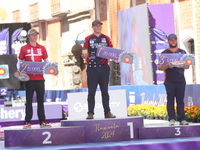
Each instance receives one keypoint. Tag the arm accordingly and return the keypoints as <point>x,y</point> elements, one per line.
<point>46,60</point>
<point>184,67</point>
<point>109,41</point>
<point>44,55</point>
<point>20,58</point>
<point>164,67</point>
<point>18,65</point>
<point>84,54</point>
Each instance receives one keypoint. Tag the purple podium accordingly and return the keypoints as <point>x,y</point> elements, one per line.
<point>44,136</point>
<point>107,130</point>
<point>169,132</point>
<point>2,101</point>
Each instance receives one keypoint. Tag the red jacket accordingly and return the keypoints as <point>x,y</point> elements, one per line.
<point>37,54</point>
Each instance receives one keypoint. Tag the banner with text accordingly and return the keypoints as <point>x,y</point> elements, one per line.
<point>39,67</point>
<point>187,59</point>
<point>115,54</point>
<point>4,42</point>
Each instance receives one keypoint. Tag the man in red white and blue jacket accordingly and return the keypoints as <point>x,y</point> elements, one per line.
<point>97,69</point>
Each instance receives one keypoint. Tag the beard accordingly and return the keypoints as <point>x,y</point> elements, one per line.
<point>172,46</point>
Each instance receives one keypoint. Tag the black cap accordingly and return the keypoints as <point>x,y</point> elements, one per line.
<point>96,22</point>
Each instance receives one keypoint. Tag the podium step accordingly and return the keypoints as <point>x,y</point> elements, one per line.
<point>157,132</point>
<point>107,130</point>
<point>44,136</point>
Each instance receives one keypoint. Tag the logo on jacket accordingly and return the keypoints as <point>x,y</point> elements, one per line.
<point>103,40</point>
<point>39,51</point>
<point>91,40</point>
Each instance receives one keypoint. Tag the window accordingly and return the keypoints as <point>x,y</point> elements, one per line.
<point>34,15</point>
<point>16,16</point>
<point>55,6</point>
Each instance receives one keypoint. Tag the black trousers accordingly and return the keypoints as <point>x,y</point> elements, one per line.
<point>38,87</point>
<point>175,91</point>
<point>95,76</point>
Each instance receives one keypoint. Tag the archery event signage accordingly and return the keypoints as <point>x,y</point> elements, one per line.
<point>4,71</point>
<point>39,67</point>
<point>115,54</point>
<point>177,59</point>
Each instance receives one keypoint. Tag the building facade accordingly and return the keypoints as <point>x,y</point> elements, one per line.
<point>61,22</point>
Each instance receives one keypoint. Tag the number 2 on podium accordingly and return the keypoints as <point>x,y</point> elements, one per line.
<point>3,92</point>
<point>130,124</point>
<point>46,140</point>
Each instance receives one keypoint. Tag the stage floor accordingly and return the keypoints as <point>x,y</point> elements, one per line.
<point>141,144</point>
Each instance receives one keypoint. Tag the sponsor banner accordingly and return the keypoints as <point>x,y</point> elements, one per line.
<point>140,94</point>
<point>78,107</point>
<point>133,36</point>
<point>4,72</point>
<point>39,67</point>
<point>4,42</point>
<point>18,113</point>
<point>115,54</point>
<point>188,59</point>
<point>17,41</point>
<point>161,24</point>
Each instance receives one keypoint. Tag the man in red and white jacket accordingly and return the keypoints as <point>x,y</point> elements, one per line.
<point>35,53</point>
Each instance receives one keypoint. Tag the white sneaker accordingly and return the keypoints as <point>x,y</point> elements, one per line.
<point>172,122</point>
<point>183,122</point>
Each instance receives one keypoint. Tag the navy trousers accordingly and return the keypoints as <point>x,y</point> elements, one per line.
<point>38,87</point>
<point>175,91</point>
<point>95,76</point>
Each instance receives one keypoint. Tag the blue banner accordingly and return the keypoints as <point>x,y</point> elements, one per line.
<point>4,42</point>
<point>135,94</point>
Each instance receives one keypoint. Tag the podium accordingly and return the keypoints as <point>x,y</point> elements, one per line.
<point>44,136</point>
<point>73,132</point>
<point>107,130</point>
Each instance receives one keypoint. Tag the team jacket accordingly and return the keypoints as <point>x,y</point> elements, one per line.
<point>174,74</point>
<point>91,43</point>
<point>34,54</point>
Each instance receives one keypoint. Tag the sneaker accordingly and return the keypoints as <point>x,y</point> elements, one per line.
<point>172,122</point>
<point>183,122</point>
<point>90,116</point>
<point>27,125</point>
<point>44,124</point>
<point>110,115</point>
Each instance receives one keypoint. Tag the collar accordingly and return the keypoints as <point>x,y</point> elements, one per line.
<point>32,45</point>
<point>97,35</point>
<point>172,50</point>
